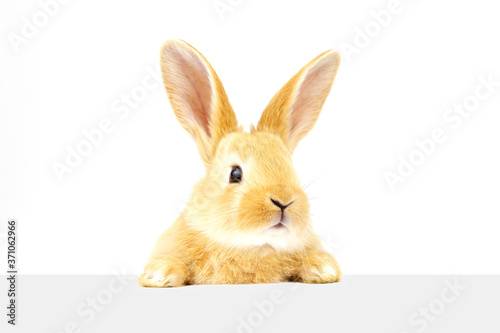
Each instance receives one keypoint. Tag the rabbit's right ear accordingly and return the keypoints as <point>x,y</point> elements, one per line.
<point>197,96</point>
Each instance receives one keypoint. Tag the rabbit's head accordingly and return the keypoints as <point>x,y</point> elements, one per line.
<point>251,195</point>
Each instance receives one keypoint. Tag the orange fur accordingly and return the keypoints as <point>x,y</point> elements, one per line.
<point>228,232</point>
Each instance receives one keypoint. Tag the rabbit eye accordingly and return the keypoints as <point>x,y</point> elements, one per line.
<point>235,175</point>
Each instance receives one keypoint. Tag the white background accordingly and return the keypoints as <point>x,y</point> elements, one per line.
<point>106,214</point>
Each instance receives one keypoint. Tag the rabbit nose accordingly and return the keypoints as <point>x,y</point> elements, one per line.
<point>280,205</point>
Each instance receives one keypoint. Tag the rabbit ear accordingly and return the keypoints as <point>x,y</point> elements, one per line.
<point>294,110</point>
<point>197,96</point>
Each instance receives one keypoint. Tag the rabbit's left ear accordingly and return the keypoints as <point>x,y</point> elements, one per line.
<point>294,110</point>
<point>197,96</point>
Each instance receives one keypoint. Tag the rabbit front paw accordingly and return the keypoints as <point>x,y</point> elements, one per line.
<point>320,268</point>
<point>163,272</point>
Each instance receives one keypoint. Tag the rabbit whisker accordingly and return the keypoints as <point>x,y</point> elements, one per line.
<point>306,186</point>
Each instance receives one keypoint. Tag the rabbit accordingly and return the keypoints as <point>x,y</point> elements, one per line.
<point>247,220</point>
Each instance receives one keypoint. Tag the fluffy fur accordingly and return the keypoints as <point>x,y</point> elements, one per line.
<point>233,232</point>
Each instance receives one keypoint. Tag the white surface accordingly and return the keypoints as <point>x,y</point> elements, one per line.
<point>367,303</point>
<point>108,212</point>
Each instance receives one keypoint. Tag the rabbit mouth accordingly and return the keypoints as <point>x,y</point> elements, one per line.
<point>279,225</point>
<point>282,222</point>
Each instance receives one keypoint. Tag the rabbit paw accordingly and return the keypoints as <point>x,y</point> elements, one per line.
<point>163,272</point>
<point>320,268</point>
